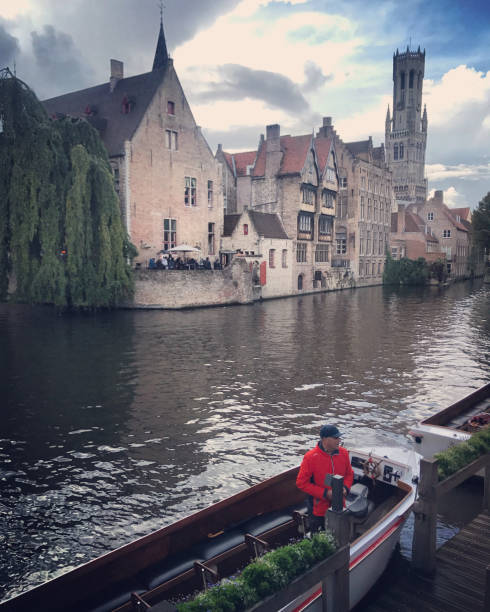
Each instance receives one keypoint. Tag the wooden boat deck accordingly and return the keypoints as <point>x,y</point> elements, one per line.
<point>458,584</point>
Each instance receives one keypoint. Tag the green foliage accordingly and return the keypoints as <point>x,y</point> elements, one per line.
<point>263,577</point>
<point>438,270</point>
<point>405,271</point>
<point>481,223</point>
<point>57,195</point>
<point>460,455</point>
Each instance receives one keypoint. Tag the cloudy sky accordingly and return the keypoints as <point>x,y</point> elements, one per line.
<point>248,63</point>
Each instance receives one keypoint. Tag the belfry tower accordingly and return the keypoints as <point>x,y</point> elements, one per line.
<point>406,131</point>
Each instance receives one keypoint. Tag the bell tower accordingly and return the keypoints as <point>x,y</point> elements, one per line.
<point>406,131</point>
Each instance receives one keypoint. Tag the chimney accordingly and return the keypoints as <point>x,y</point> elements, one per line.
<point>439,196</point>
<point>273,153</point>
<point>327,129</point>
<point>117,73</point>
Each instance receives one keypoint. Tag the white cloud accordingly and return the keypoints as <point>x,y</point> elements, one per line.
<point>452,198</point>
<point>437,172</point>
<point>460,89</point>
<point>13,8</point>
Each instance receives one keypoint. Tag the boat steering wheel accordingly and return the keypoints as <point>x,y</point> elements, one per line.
<point>371,468</point>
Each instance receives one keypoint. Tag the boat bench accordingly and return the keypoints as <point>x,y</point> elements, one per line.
<point>183,562</point>
<point>210,548</point>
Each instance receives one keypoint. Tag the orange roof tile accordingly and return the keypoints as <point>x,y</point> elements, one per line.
<point>322,148</point>
<point>243,160</point>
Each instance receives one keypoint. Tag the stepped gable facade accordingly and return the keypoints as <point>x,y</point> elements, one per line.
<point>364,205</point>
<point>295,178</point>
<point>166,176</point>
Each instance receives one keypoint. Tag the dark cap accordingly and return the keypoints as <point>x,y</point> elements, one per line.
<point>329,431</point>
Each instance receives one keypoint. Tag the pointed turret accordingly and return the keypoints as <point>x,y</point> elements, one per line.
<point>388,121</point>
<point>161,55</point>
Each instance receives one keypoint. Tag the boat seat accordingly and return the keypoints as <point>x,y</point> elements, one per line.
<point>113,598</point>
<point>357,502</point>
<point>265,522</point>
<point>170,568</point>
<point>213,547</point>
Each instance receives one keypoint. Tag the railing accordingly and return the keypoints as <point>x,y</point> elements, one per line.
<point>425,509</point>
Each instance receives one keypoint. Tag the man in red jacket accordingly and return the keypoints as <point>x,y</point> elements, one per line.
<point>328,457</point>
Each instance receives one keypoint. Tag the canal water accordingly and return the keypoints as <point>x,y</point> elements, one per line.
<point>116,424</point>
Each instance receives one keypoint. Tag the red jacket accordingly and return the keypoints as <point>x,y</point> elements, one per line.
<point>315,466</point>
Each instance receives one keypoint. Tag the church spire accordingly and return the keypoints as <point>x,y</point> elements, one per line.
<point>161,55</point>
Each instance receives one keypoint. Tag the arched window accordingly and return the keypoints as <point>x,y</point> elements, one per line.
<point>419,80</point>
<point>402,80</point>
<point>401,150</point>
<point>300,282</point>
<point>395,151</point>
<point>410,78</point>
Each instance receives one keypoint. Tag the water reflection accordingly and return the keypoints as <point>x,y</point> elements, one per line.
<point>117,424</point>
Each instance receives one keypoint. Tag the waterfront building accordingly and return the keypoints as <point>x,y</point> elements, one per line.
<point>261,240</point>
<point>364,204</point>
<point>412,237</point>
<point>295,178</point>
<point>406,130</point>
<point>166,176</point>
<point>451,230</point>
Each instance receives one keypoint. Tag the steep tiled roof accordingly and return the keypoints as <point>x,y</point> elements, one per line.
<point>229,160</point>
<point>294,149</point>
<point>242,160</point>
<point>447,211</point>
<point>267,225</point>
<point>413,223</point>
<point>464,213</point>
<point>322,148</point>
<point>361,146</point>
<point>114,126</point>
<point>230,224</point>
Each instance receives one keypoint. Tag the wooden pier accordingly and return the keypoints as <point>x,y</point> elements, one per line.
<point>455,578</point>
<point>457,585</point>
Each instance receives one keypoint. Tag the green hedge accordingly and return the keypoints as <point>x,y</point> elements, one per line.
<point>263,577</point>
<point>460,455</point>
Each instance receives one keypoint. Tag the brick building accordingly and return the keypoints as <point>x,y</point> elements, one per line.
<point>451,230</point>
<point>164,171</point>
<point>295,178</point>
<point>411,237</point>
<point>364,204</point>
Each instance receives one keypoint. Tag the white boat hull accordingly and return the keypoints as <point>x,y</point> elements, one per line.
<point>369,554</point>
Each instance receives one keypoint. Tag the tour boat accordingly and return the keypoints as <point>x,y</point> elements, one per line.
<point>453,424</point>
<point>175,561</point>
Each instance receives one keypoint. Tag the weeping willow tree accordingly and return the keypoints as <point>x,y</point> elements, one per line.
<point>62,240</point>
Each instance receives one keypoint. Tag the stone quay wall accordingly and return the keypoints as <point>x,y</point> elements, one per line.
<point>173,289</point>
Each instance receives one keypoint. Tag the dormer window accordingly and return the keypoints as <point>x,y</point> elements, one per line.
<point>245,229</point>
<point>430,216</point>
<point>170,107</point>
